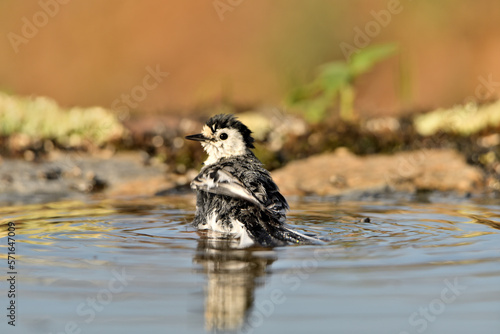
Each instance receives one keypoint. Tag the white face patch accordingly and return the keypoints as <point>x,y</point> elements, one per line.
<point>218,147</point>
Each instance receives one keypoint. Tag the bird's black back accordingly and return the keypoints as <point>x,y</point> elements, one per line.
<point>260,223</point>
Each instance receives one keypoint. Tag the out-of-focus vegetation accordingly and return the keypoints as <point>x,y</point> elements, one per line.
<point>28,124</point>
<point>284,41</point>
<point>41,118</point>
<point>334,84</point>
<point>464,120</point>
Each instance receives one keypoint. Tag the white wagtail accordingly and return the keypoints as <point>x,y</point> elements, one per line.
<point>235,193</point>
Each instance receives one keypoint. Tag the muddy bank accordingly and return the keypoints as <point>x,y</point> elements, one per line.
<point>79,176</point>
<point>80,153</point>
<point>340,173</point>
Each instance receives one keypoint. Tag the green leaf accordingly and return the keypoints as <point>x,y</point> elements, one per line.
<point>315,110</point>
<point>334,75</point>
<point>334,82</point>
<point>365,59</point>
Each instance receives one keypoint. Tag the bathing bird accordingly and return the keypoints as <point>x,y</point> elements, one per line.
<point>236,195</point>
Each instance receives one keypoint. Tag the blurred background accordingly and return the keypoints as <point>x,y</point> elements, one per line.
<point>372,76</point>
<point>246,53</point>
<point>97,96</point>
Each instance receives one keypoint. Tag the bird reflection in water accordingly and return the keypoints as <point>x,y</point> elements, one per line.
<point>232,276</point>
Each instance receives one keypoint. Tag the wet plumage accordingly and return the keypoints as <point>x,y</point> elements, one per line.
<point>235,193</point>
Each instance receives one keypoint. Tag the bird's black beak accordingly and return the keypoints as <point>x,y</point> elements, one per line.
<point>197,137</point>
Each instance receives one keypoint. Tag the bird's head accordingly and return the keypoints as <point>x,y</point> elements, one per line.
<point>224,136</point>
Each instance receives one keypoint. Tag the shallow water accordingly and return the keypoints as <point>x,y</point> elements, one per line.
<point>136,265</point>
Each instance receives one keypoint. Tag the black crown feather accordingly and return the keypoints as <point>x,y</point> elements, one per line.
<point>223,121</point>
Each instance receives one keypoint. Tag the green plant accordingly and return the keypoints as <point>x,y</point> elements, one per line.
<point>42,118</point>
<point>335,82</point>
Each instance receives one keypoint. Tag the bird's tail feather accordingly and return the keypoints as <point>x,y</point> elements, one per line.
<point>295,237</point>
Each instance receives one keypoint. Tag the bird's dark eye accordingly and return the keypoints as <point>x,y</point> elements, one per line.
<point>223,136</point>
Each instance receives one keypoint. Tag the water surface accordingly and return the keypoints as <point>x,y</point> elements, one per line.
<point>136,265</point>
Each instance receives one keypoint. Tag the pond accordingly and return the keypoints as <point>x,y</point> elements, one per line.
<point>417,265</point>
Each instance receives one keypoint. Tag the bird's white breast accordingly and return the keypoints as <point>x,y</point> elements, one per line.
<point>236,229</point>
